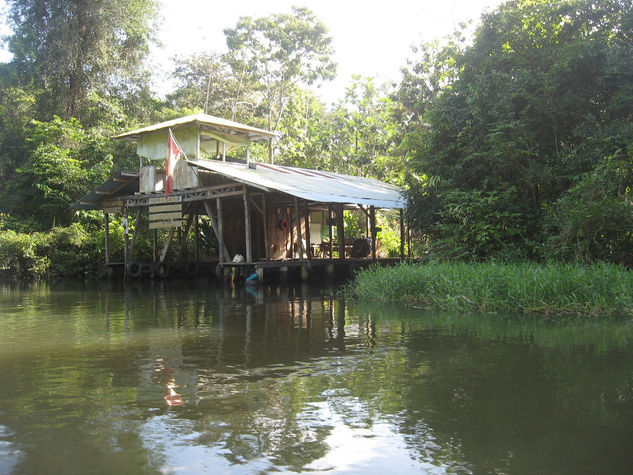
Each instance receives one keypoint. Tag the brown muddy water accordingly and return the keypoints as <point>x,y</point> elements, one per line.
<point>184,378</point>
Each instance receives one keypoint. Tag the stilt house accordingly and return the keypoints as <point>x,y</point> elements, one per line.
<point>262,215</point>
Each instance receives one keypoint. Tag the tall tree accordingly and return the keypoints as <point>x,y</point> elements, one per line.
<point>206,82</point>
<point>275,54</point>
<point>362,130</point>
<point>529,137</point>
<point>71,48</point>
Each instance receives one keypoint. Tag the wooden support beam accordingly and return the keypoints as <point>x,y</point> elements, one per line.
<point>331,226</point>
<point>107,238</point>
<point>340,231</point>
<point>402,236</point>
<point>254,203</point>
<point>372,227</point>
<point>217,225</point>
<point>409,242</point>
<point>299,234</point>
<point>265,217</point>
<point>291,228</point>
<point>196,244</point>
<point>182,237</point>
<point>224,252</point>
<point>307,221</point>
<point>170,235</point>
<point>126,235</point>
<point>134,236</point>
<point>154,245</point>
<point>247,227</point>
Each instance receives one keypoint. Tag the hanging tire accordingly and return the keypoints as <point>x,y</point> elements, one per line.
<point>134,269</point>
<point>191,269</point>
<point>161,270</point>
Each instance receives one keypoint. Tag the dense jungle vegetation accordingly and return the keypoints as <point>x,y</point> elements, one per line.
<point>514,140</point>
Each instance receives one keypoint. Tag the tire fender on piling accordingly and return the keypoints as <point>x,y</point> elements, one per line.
<point>134,269</point>
<point>191,269</point>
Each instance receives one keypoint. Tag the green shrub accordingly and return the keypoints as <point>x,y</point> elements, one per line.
<point>599,289</point>
<point>62,252</point>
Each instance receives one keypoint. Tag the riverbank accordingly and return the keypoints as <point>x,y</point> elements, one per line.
<point>595,290</point>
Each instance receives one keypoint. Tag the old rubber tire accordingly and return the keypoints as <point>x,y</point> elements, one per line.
<point>191,269</point>
<point>134,269</point>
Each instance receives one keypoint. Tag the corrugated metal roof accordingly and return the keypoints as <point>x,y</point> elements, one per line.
<point>202,120</point>
<point>122,184</point>
<point>313,185</point>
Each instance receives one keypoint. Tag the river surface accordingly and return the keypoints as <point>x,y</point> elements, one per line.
<point>177,377</point>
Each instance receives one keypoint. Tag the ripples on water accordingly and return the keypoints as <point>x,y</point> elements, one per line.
<point>284,379</point>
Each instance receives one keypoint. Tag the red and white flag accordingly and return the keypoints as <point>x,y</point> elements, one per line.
<point>174,152</point>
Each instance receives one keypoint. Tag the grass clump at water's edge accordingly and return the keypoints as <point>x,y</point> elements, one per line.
<point>598,289</point>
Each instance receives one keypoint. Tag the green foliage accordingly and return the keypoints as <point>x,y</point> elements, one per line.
<point>69,49</point>
<point>597,290</point>
<point>65,162</point>
<point>353,228</point>
<point>515,131</point>
<point>206,82</point>
<point>272,55</point>
<point>71,251</point>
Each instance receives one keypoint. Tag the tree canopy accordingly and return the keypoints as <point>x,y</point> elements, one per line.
<point>514,142</point>
<point>68,49</point>
<point>525,150</point>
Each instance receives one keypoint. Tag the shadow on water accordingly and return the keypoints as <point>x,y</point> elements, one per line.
<point>290,378</point>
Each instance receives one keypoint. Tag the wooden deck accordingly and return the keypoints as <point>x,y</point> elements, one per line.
<point>266,270</point>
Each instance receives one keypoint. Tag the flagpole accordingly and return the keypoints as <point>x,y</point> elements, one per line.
<point>174,152</point>
<point>173,137</point>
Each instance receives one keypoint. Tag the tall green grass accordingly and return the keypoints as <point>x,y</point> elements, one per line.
<point>600,289</point>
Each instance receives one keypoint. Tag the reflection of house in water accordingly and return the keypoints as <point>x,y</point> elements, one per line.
<point>275,217</point>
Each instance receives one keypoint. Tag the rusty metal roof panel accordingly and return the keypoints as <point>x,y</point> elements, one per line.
<point>313,185</point>
<point>122,184</point>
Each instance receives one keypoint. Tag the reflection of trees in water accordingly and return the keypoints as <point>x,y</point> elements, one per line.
<point>506,394</point>
<point>259,372</point>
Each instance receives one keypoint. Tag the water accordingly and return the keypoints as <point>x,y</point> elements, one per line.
<point>287,380</point>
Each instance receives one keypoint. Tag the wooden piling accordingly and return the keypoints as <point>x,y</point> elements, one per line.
<point>372,226</point>
<point>331,229</point>
<point>224,256</point>
<point>307,221</point>
<point>247,227</point>
<point>299,234</point>
<point>402,235</point>
<point>340,231</point>
<point>107,238</point>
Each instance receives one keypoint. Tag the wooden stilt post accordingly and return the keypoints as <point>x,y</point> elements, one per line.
<point>372,226</point>
<point>154,245</point>
<point>126,232</point>
<point>247,227</point>
<point>163,254</point>
<point>224,255</point>
<point>331,230</point>
<point>340,231</point>
<point>195,232</point>
<point>291,228</point>
<point>137,225</point>
<point>215,224</point>
<point>307,221</point>
<point>265,218</point>
<point>107,239</point>
<point>299,234</point>
<point>402,235</point>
